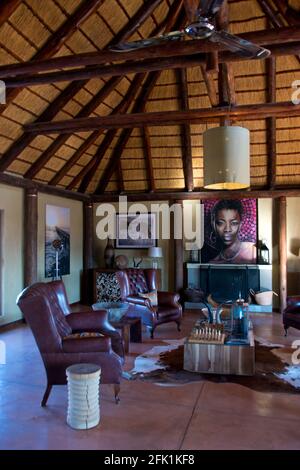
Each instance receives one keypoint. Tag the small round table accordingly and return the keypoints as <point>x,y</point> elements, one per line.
<point>83,395</point>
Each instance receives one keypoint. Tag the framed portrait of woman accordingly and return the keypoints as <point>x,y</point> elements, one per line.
<point>230,231</point>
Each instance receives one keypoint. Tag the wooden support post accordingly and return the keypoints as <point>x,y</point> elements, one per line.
<point>282,253</point>
<point>88,235</point>
<point>30,235</point>
<point>179,259</point>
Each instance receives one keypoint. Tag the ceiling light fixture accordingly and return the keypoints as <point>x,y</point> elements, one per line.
<point>226,156</point>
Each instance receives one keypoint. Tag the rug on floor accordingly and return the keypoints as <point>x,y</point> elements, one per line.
<point>274,371</point>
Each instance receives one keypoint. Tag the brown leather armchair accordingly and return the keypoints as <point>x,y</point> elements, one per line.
<point>46,309</point>
<point>291,315</point>
<point>134,281</point>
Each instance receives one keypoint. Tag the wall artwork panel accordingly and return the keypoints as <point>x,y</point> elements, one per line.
<point>57,241</point>
<point>230,231</point>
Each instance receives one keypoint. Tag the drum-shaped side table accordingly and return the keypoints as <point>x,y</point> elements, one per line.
<point>83,395</point>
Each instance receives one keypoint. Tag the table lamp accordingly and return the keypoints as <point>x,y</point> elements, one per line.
<point>155,252</point>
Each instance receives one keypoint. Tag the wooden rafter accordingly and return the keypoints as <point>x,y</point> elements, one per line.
<point>125,135</point>
<point>193,116</point>
<point>63,98</point>
<point>226,77</point>
<point>292,16</point>
<point>75,157</point>
<point>86,175</point>
<point>58,38</point>
<point>146,65</point>
<point>123,107</point>
<point>187,158</point>
<point>7,7</point>
<point>275,20</point>
<point>84,112</point>
<point>148,157</point>
<point>268,37</point>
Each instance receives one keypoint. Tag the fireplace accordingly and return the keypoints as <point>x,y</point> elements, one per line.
<point>228,282</point>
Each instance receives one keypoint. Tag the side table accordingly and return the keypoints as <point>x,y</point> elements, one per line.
<point>131,330</point>
<point>83,396</point>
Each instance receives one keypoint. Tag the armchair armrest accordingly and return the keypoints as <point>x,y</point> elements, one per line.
<point>136,300</point>
<point>86,345</point>
<point>87,321</point>
<point>168,298</point>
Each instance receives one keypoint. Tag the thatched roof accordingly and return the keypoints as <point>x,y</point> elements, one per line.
<point>153,157</point>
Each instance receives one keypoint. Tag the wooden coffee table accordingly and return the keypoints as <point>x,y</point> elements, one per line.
<point>238,359</point>
<point>131,330</point>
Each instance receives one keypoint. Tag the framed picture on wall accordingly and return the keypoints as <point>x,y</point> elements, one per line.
<point>136,230</point>
<point>230,231</point>
<point>57,241</point>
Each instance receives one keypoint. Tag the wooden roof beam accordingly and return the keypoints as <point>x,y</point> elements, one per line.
<point>146,65</point>
<point>58,38</point>
<point>125,135</point>
<point>84,112</point>
<point>193,116</point>
<point>272,16</point>
<point>70,91</point>
<point>292,16</point>
<point>268,37</point>
<point>226,77</point>
<point>7,7</point>
<point>123,107</point>
<point>148,158</point>
<point>187,159</point>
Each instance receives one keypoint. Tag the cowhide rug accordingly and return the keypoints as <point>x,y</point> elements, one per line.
<point>274,372</point>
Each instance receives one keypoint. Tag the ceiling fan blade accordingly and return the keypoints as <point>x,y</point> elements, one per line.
<point>241,46</point>
<point>208,8</point>
<point>155,41</point>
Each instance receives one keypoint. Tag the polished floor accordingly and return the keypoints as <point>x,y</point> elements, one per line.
<point>194,416</point>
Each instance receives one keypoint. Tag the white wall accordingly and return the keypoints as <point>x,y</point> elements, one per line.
<point>72,281</point>
<point>11,202</point>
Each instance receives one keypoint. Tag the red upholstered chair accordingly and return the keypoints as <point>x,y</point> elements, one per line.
<point>291,315</point>
<point>135,281</point>
<point>46,309</point>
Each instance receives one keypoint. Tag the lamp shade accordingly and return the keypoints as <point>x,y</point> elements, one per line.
<point>226,155</point>
<point>155,252</point>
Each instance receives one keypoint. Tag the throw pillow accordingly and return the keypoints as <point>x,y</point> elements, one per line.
<point>152,296</point>
<point>84,334</point>
<point>107,288</point>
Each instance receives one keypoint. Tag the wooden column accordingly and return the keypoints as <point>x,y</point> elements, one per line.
<point>88,235</point>
<point>30,235</point>
<point>179,259</point>
<point>282,253</point>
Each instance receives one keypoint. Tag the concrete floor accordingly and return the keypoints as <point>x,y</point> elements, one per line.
<point>194,416</point>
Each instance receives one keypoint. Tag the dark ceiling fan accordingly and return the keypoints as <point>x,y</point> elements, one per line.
<point>202,28</point>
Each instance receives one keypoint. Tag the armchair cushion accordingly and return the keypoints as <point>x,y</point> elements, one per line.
<point>152,296</point>
<point>86,344</point>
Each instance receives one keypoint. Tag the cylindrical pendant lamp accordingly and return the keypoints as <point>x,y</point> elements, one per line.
<point>226,157</point>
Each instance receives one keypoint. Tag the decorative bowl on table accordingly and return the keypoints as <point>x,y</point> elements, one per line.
<point>115,310</point>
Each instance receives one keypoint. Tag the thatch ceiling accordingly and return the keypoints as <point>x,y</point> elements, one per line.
<point>151,157</point>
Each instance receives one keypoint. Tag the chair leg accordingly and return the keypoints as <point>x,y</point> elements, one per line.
<point>178,326</point>
<point>117,389</point>
<point>46,395</point>
<point>152,333</point>
<point>286,330</point>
